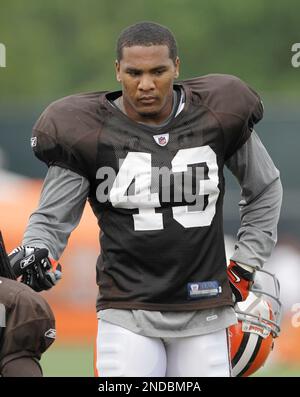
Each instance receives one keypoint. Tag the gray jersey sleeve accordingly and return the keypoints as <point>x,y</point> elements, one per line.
<point>61,205</point>
<point>261,197</point>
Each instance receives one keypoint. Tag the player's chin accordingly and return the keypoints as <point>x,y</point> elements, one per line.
<point>149,114</point>
<point>148,111</point>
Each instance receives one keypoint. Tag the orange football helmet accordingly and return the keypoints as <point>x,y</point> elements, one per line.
<point>252,338</point>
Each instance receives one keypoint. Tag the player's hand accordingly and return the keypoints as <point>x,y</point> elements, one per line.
<point>35,268</point>
<point>240,281</point>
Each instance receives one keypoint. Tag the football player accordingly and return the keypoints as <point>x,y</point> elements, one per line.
<point>150,159</point>
<point>27,327</point>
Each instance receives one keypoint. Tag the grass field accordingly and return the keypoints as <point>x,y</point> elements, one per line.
<point>76,360</point>
<point>68,360</point>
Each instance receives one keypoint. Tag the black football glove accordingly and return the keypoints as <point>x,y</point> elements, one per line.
<point>240,281</point>
<point>36,269</point>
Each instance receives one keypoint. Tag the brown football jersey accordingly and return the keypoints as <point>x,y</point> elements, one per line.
<point>29,322</point>
<point>159,251</point>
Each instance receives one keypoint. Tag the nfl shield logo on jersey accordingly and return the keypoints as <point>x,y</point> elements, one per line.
<point>161,139</point>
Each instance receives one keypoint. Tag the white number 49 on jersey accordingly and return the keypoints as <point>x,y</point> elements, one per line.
<point>137,166</point>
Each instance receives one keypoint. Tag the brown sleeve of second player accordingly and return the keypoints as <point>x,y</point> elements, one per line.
<point>30,328</point>
<point>22,367</point>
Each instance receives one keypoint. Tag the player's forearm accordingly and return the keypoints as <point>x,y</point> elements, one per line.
<point>260,204</point>
<point>42,234</point>
<point>59,212</point>
<point>257,235</point>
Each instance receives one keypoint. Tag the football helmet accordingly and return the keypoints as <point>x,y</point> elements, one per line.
<point>252,338</point>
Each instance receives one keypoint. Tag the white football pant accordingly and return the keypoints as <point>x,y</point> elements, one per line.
<point>121,352</point>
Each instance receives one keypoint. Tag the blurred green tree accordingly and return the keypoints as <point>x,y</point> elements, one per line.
<point>56,48</point>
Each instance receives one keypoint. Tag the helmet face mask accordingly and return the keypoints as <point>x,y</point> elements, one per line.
<point>259,316</point>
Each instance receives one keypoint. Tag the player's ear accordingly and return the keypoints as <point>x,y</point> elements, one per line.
<point>117,67</point>
<point>177,66</point>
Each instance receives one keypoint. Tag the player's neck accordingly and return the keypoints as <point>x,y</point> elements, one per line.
<point>147,119</point>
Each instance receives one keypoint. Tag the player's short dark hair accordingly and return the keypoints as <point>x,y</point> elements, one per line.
<point>146,34</point>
